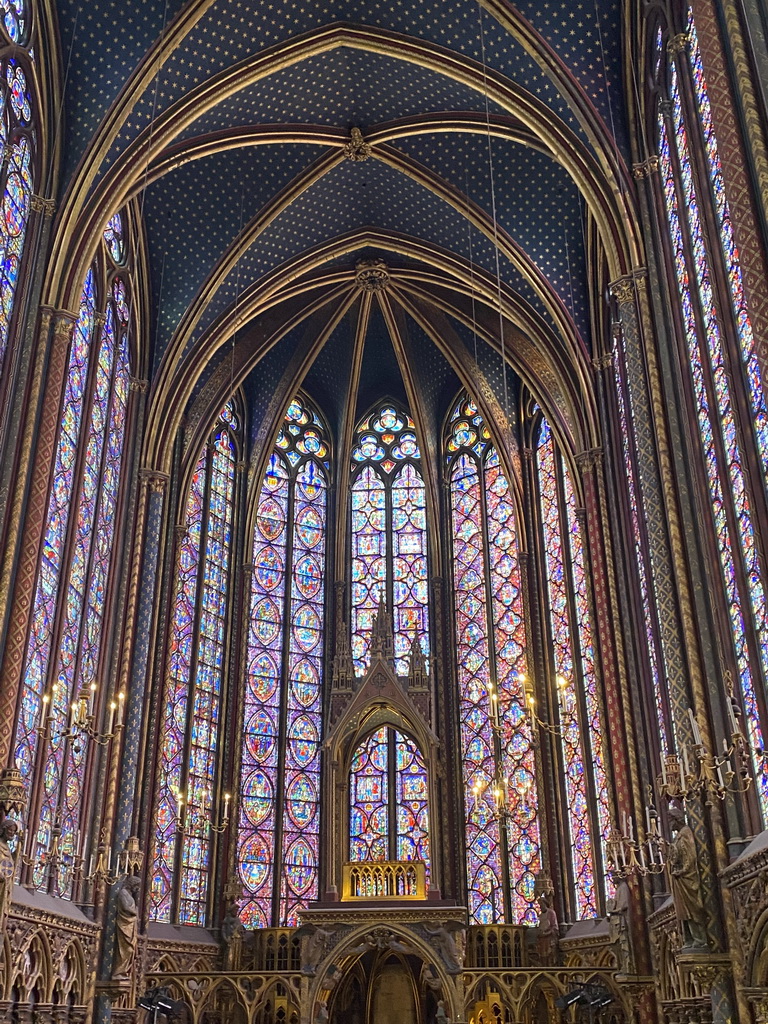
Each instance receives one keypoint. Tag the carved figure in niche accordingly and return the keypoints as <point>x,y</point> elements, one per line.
<point>549,930</point>
<point>685,881</point>
<point>619,925</point>
<point>315,943</point>
<point>8,831</point>
<point>321,1013</point>
<point>441,1017</point>
<point>233,936</point>
<point>127,928</point>
<point>445,942</point>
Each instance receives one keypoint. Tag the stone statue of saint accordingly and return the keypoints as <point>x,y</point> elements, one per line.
<point>446,945</point>
<point>618,923</point>
<point>232,935</point>
<point>127,928</point>
<point>685,883</point>
<point>549,930</point>
<point>8,830</point>
<point>441,1017</point>
<point>321,1013</point>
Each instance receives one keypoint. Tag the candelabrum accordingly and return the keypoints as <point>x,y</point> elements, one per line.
<point>703,771</point>
<point>82,718</point>
<point>627,855</point>
<point>195,819</point>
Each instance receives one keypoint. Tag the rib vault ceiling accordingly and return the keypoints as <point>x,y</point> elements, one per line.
<point>492,160</point>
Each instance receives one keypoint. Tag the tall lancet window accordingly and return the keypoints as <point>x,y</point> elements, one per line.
<point>18,114</point>
<point>389,535</point>
<point>571,637</point>
<point>496,743</point>
<point>66,657</point>
<point>195,675</point>
<point>388,796</point>
<point>279,816</point>
<point>726,384</point>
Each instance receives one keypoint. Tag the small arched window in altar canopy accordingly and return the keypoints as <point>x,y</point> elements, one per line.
<point>279,815</point>
<point>65,659</point>
<point>388,534</point>
<point>503,841</point>
<point>18,140</point>
<point>388,799</point>
<point>726,380</point>
<point>190,735</point>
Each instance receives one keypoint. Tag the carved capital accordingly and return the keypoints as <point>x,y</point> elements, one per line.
<point>99,319</point>
<point>589,460</point>
<point>357,149</point>
<point>62,319</point>
<point>646,168</point>
<point>605,361</point>
<point>677,43</point>
<point>41,205</point>
<point>372,275</point>
<point>241,466</point>
<point>136,384</point>
<point>154,479</point>
<point>13,795</point>
<point>623,290</point>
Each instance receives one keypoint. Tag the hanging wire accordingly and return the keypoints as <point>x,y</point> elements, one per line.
<point>471,264</point>
<point>58,124</point>
<point>237,295</point>
<point>493,215</point>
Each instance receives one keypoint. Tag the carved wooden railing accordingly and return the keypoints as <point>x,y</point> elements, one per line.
<point>384,880</point>
<point>496,946</point>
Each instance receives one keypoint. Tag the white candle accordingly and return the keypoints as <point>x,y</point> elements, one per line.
<point>111,717</point>
<point>120,707</point>
<point>631,829</point>
<point>682,772</point>
<point>664,769</point>
<point>685,761</point>
<point>694,727</point>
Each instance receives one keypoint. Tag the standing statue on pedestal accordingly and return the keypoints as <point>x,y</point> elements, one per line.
<point>445,942</point>
<point>685,882</point>
<point>8,830</point>
<point>232,935</point>
<point>127,928</point>
<point>619,925</point>
<point>549,930</point>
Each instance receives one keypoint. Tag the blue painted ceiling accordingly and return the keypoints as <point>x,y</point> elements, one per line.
<point>194,214</point>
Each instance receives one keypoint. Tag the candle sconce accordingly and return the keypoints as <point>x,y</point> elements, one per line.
<point>82,717</point>
<point>627,855</point>
<point>193,821</point>
<point>706,772</point>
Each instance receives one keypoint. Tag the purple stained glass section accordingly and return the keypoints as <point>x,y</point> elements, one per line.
<point>483,839</point>
<point>572,745</point>
<point>411,801</point>
<point>176,700</point>
<point>263,697</point>
<point>48,579</point>
<point>301,813</point>
<point>206,688</point>
<point>369,799</point>
<point>369,559</point>
<point>715,414</point>
<point>518,762</point>
<point>18,187</point>
<point>409,564</point>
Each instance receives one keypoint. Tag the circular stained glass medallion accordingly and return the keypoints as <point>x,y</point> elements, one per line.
<point>255,862</point>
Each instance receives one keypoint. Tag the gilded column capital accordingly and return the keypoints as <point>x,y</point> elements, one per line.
<point>180,532</point>
<point>623,289</point>
<point>646,168</point>
<point>241,465</point>
<point>589,460</point>
<point>678,43</point>
<point>153,479</point>
<point>99,319</point>
<point>63,320</point>
<point>606,360</point>
<point>528,454</point>
<point>136,384</point>
<point>40,204</point>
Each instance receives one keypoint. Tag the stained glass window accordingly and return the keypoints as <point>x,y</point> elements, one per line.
<point>581,732</point>
<point>192,702</point>
<point>17,142</point>
<point>389,535</point>
<point>388,799</point>
<point>279,817</point>
<point>714,383</point>
<point>496,741</point>
<point>64,649</point>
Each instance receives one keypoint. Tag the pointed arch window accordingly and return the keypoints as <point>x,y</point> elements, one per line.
<point>279,816</point>
<point>725,376</point>
<point>389,535</point>
<point>18,140</point>
<point>192,703</point>
<point>388,799</point>
<point>496,742</point>
<point>585,796</point>
<point>66,657</point>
